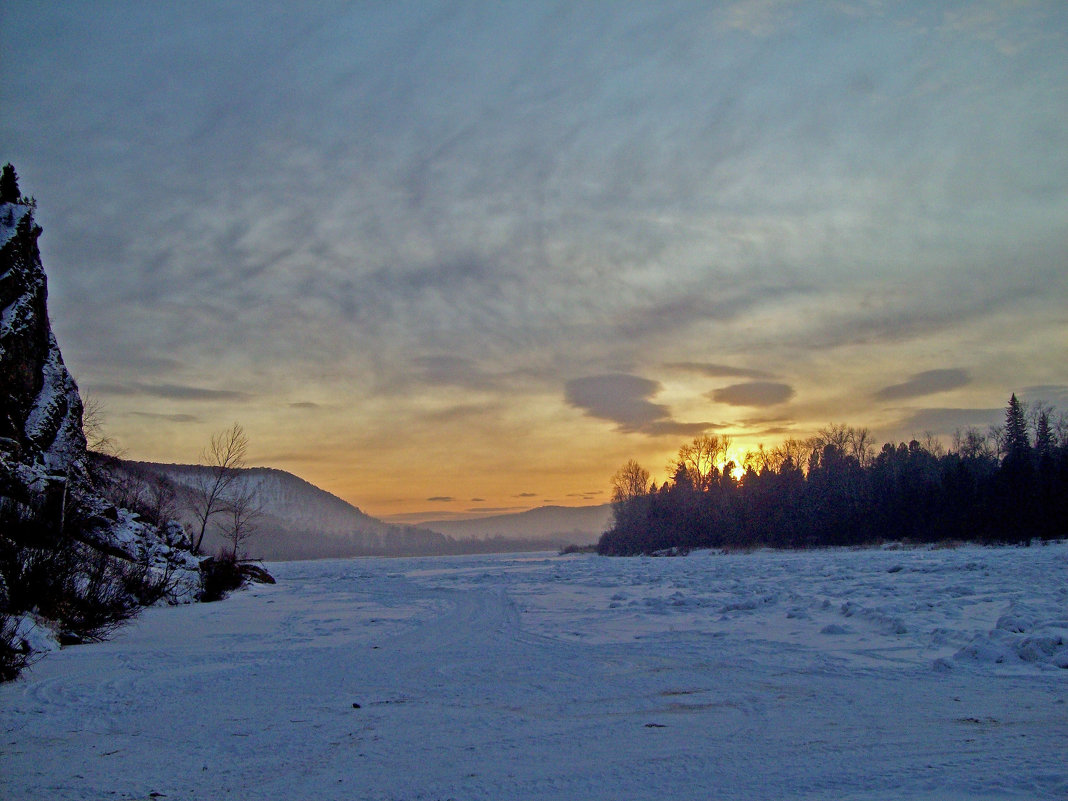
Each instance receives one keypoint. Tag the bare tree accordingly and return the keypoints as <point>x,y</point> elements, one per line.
<point>933,444</point>
<point>630,481</point>
<point>224,457</point>
<point>861,446</point>
<point>1059,426</point>
<point>793,451</point>
<point>96,436</point>
<point>759,460</point>
<point>971,443</point>
<point>240,519</point>
<point>161,500</point>
<point>835,434</point>
<point>997,436</point>
<point>702,458</point>
<point>1035,411</point>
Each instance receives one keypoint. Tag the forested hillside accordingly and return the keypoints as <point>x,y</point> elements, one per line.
<point>1006,485</point>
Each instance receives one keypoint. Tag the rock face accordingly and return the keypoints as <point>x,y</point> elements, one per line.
<point>40,409</point>
<point>43,459</point>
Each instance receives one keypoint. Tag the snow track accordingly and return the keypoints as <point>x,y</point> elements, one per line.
<point>844,674</point>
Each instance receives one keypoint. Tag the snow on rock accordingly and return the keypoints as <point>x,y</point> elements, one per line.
<point>11,214</point>
<point>54,423</point>
<point>36,633</point>
<point>165,552</point>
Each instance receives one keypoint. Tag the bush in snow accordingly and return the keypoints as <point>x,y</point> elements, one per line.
<point>220,575</point>
<point>14,652</point>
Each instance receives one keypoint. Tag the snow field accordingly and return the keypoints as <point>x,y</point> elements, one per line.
<point>831,674</point>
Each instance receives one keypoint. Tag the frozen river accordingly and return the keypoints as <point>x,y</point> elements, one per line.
<point>939,674</point>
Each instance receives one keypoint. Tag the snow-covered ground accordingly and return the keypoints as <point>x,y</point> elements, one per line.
<point>824,675</point>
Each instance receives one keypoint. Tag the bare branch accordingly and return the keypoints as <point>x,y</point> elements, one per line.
<point>224,457</point>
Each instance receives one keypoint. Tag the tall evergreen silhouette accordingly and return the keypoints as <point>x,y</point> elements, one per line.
<point>1016,445</point>
<point>9,185</point>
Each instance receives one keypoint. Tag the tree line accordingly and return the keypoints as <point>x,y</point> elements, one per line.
<point>1005,485</point>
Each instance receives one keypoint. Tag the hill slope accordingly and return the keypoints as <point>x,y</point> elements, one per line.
<point>298,520</point>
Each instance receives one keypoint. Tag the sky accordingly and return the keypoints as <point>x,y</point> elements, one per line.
<point>442,258</point>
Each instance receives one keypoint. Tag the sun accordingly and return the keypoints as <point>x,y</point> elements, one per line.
<point>737,471</point>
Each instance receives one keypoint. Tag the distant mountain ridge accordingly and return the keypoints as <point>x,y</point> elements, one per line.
<point>299,520</point>
<point>556,525</point>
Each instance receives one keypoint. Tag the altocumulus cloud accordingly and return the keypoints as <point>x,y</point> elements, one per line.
<point>925,383</point>
<point>625,400</point>
<point>753,393</point>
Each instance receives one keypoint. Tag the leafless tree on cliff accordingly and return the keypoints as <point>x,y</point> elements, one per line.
<point>224,458</point>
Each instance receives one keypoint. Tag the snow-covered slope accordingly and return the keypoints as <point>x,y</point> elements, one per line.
<point>284,496</point>
<point>301,521</point>
<point>833,674</point>
<point>556,525</point>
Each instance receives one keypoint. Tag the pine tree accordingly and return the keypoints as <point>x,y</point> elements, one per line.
<point>9,185</point>
<point>1017,446</point>
<point>1044,441</point>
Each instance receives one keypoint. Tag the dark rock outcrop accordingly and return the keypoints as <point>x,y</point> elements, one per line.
<point>40,409</point>
<point>44,467</point>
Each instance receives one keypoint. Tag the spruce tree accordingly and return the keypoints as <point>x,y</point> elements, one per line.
<point>1044,440</point>
<point>9,185</point>
<point>1016,444</point>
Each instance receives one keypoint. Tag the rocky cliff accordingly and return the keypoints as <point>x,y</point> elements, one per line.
<point>40,409</point>
<point>48,499</point>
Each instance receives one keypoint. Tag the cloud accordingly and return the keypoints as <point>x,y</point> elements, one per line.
<point>664,428</point>
<point>462,412</point>
<point>441,499</point>
<point>621,398</point>
<point>753,393</point>
<point>774,430</point>
<point>1056,394</point>
<point>718,370</point>
<point>760,18</point>
<point>625,400</point>
<point>452,196</point>
<point>170,418</point>
<point>451,371</point>
<point>928,382</point>
<point>947,421</point>
<point>526,495</point>
<point>303,405</point>
<point>172,392</point>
